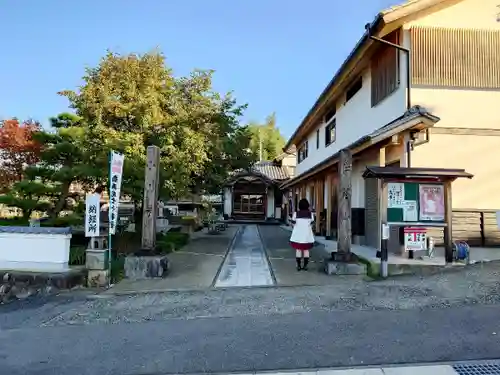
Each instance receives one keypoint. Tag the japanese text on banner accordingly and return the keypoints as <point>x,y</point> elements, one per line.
<point>115,181</point>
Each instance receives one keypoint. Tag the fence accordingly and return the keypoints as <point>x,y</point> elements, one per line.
<point>477,227</point>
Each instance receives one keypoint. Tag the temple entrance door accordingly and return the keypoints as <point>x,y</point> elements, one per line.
<point>249,200</point>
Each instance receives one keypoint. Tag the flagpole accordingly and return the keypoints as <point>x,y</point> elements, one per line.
<point>109,219</point>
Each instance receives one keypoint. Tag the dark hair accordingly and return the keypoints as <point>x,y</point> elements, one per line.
<point>303,204</point>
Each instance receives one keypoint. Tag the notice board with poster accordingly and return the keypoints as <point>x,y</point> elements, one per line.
<point>413,202</point>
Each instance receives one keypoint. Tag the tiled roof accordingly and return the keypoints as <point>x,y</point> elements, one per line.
<point>35,230</point>
<point>271,171</point>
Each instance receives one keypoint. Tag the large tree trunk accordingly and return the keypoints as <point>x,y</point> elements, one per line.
<point>61,202</point>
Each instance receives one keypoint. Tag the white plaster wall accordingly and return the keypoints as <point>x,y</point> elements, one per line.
<point>228,201</point>
<point>34,252</point>
<point>355,119</point>
<point>358,185</point>
<point>270,203</point>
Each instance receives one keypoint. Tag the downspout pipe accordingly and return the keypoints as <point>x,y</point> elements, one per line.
<point>408,78</point>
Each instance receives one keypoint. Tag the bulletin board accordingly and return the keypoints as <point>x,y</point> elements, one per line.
<point>413,202</point>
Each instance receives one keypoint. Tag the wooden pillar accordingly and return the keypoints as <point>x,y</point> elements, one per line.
<point>329,182</point>
<point>150,213</point>
<point>448,218</point>
<point>344,237</point>
<point>319,203</point>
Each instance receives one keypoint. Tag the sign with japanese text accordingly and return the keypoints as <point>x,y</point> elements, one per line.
<point>115,181</point>
<point>395,195</point>
<point>415,239</point>
<point>92,217</point>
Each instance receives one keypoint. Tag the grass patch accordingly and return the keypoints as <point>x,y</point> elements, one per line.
<point>372,269</point>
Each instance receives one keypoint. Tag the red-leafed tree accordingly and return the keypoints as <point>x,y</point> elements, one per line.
<point>18,149</point>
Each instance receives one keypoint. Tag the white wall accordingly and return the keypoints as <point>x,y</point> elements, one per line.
<point>34,252</point>
<point>355,119</point>
<point>228,201</point>
<point>270,203</point>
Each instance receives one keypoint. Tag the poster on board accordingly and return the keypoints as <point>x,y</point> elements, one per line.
<point>431,202</point>
<point>410,212</point>
<point>395,195</point>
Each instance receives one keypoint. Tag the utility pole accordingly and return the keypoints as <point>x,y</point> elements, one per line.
<point>260,144</point>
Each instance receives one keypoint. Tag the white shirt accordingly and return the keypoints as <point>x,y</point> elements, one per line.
<point>302,231</point>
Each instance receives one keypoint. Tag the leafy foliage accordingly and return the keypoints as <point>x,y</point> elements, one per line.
<point>65,159</point>
<point>132,101</point>
<point>269,135</point>
<point>18,149</point>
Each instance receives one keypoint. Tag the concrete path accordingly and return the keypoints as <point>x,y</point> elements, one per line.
<point>246,263</point>
<point>194,267</point>
<point>282,258</point>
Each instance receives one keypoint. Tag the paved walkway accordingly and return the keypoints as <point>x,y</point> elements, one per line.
<point>282,258</point>
<point>194,267</point>
<point>246,263</point>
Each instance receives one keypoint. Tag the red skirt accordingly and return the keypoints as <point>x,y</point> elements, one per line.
<point>301,246</point>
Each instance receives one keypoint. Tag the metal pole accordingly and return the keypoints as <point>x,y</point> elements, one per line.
<point>109,221</point>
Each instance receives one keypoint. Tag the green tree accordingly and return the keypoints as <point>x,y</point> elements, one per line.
<point>132,101</point>
<point>266,139</point>
<point>69,157</point>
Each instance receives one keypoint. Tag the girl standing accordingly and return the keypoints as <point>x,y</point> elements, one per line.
<point>302,239</point>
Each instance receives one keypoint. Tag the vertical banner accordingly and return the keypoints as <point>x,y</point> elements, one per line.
<point>115,181</point>
<point>92,217</point>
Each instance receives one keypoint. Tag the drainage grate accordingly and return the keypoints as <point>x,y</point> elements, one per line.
<point>491,368</point>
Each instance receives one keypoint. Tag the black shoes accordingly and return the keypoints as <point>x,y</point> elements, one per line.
<point>306,261</point>
<point>299,264</point>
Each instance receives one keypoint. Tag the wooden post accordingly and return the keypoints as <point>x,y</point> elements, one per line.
<point>150,213</point>
<point>329,179</point>
<point>319,204</point>
<point>448,218</point>
<point>344,237</point>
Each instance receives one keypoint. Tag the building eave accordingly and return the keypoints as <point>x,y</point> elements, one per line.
<point>415,118</point>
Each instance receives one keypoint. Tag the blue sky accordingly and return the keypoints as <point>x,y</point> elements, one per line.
<point>275,55</point>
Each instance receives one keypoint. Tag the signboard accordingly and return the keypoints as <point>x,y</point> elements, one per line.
<point>415,238</point>
<point>431,201</point>
<point>92,217</point>
<point>115,181</point>
<point>395,194</point>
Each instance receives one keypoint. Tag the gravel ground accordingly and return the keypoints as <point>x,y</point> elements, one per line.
<point>401,320</point>
<point>479,284</point>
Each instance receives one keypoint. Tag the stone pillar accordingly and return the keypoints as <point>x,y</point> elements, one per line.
<point>151,193</point>
<point>344,204</point>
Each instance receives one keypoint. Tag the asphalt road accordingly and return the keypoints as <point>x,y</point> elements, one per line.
<point>255,342</point>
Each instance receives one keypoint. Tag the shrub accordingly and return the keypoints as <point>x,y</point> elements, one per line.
<point>77,256</point>
<point>171,241</point>
<point>117,269</point>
